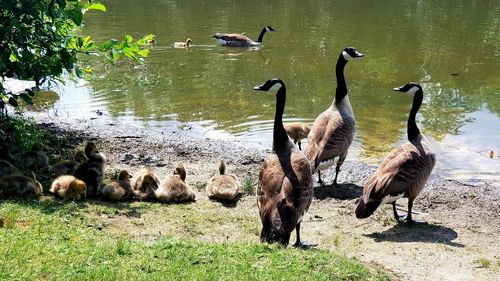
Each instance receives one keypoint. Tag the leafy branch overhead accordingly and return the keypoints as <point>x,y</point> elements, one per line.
<point>39,41</point>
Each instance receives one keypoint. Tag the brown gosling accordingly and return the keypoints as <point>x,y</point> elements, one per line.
<point>34,160</point>
<point>20,186</point>
<point>91,171</point>
<point>144,184</point>
<point>404,172</point>
<point>68,167</point>
<point>285,188</point>
<point>182,45</point>
<point>333,130</point>
<point>174,187</point>
<point>297,131</point>
<point>7,169</point>
<point>68,187</point>
<point>118,190</point>
<point>223,186</point>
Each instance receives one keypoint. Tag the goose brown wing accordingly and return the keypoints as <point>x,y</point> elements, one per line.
<point>231,37</point>
<point>330,137</point>
<point>406,167</point>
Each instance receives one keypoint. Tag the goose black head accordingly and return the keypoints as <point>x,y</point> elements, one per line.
<point>410,88</point>
<point>269,28</point>
<point>350,53</point>
<point>272,85</point>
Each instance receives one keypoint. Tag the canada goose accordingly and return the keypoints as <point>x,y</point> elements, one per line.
<point>223,186</point>
<point>333,130</point>
<point>297,131</point>
<point>174,187</point>
<point>144,183</point>
<point>68,187</point>
<point>404,172</point>
<point>118,190</point>
<point>7,169</point>
<point>68,167</point>
<point>34,160</point>
<point>240,40</point>
<point>182,45</point>
<point>91,171</point>
<point>285,188</point>
<point>19,185</point>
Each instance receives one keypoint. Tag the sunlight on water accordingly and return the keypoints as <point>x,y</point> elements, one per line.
<point>206,91</point>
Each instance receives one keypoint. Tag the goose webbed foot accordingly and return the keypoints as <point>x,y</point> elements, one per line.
<point>414,222</point>
<point>304,245</point>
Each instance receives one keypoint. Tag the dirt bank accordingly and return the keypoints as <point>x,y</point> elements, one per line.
<point>459,243</point>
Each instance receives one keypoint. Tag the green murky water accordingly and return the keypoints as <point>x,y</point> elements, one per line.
<point>451,47</point>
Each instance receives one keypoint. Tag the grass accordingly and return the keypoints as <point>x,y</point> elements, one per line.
<point>56,240</point>
<point>484,263</point>
<point>248,185</point>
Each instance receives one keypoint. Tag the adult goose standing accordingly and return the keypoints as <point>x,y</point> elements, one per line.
<point>404,172</point>
<point>333,130</point>
<point>240,40</point>
<point>285,187</point>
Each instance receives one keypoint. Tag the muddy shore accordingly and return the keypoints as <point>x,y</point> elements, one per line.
<point>463,223</point>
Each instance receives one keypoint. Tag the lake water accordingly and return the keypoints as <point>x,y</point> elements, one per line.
<point>451,47</point>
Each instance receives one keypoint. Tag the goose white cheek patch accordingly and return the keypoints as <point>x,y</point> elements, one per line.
<point>346,55</point>
<point>275,87</point>
<point>412,91</point>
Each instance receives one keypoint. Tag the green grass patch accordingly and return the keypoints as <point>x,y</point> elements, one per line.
<point>56,240</point>
<point>248,185</point>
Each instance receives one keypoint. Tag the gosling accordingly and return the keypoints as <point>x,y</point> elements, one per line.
<point>297,131</point>
<point>174,188</point>
<point>118,190</point>
<point>223,186</point>
<point>20,186</point>
<point>68,187</point>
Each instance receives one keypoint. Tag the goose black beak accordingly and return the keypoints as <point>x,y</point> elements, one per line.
<point>398,89</point>
<point>259,88</point>
<point>359,55</point>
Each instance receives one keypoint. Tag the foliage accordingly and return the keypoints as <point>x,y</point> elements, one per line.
<point>59,241</point>
<point>484,263</point>
<point>19,134</point>
<point>248,185</point>
<point>38,42</point>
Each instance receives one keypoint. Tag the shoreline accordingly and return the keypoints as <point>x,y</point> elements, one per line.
<point>462,226</point>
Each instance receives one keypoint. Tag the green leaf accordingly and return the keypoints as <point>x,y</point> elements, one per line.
<point>143,53</point>
<point>13,102</point>
<point>128,39</point>
<point>13,58</point>
<point>97,6</point>
<point>77,17</point>
<point>26,98</point>
<point>116,56</point>
<point>79,72</point>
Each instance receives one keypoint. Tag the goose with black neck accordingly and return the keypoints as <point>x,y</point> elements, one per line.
<point>285,187</point>
<point>240,39</point>
<point>333,130</point>
<point>404,172</point>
